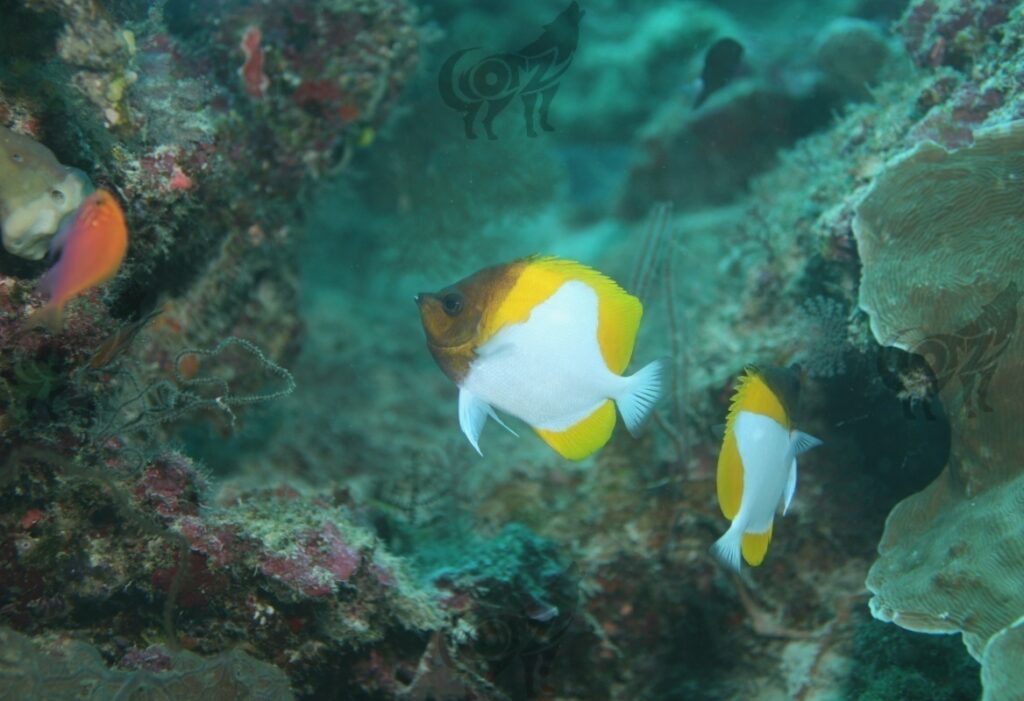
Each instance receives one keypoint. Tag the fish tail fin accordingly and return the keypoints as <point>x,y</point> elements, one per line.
<point>727,549</point>
<point>49,316</point>
<point>642,391</point>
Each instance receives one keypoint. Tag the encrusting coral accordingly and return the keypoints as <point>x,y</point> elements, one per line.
<point>75,669</point>
<point>36,192</point>
<point>938,235</point>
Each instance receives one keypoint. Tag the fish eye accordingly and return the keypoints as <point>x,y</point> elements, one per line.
<point>57,196</point>
<point>452,303</point>
<point>16,157</point>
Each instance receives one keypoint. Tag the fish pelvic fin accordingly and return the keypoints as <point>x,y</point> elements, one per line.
<point>643,390</point>
<point>473,413</point>
<point>727,548</point>
<point>755,545</point>
<point>585,437</point>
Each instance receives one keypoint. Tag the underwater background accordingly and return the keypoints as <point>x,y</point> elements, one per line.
<point>233,470</point>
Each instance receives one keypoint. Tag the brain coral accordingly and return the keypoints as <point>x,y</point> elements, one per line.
<point>36,192</point>
<point>939,234</point>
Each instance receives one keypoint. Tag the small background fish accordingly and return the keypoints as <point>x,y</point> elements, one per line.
<point>721,62</point>
<point>91,248</point>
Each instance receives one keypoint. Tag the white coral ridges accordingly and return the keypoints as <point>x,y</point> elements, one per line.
<point>36,193</point>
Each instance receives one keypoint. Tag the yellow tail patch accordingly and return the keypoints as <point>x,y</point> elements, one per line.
<point>618,311</point>
<point>755,545</point>
<point>586,437</point>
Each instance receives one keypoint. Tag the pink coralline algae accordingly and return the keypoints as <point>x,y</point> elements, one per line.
<point>952,33</point>
<point>170,486</point>
<point>322,561</point>
<point>253,77</point>
<point>218,543</point>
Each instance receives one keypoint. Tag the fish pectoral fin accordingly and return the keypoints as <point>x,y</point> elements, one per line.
<point>787,496</point>
<point>473,413</point>
<point>755,545</point>
<point>802,442</point>
<point>584,437</point>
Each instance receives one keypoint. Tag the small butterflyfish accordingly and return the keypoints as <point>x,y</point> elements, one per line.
<point>721,62</point>
<point>91,247</point>
<point>547,341</point>
<point>757,465</point>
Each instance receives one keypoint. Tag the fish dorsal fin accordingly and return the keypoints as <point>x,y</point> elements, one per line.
<point>585,437</point>
<point>755,545</point>
<point>755,395</point>
<point>619,312</point>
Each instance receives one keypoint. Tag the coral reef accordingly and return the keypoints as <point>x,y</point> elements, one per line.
<point>240,444</point>
<point>935,234</point>
<point>74,669</point>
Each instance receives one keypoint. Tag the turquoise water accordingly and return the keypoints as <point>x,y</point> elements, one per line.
<point>261,454</point>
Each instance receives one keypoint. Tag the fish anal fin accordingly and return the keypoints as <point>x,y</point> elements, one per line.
<point>730,477</point>
<point>755,545</point>
<point>585,437</point>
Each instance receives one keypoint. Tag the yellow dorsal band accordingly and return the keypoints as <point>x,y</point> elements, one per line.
<point>618,311</point>
<point>584,438</point>
<point>755,545</point>
<point>730,477</point>
<point>754,395</point>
